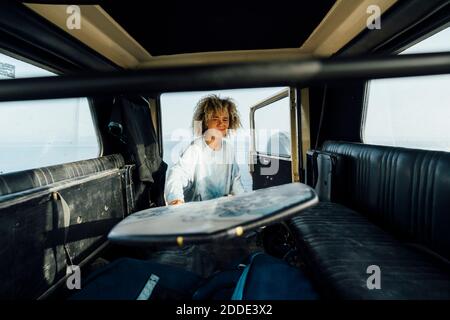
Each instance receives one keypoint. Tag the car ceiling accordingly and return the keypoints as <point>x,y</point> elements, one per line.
<point>181,27</point>
<point>180,32</point>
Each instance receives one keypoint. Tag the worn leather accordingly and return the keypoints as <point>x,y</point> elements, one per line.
<point>406,191</point>
<point>339,245</point>
<point>25,180</point>
<point>394,213</point>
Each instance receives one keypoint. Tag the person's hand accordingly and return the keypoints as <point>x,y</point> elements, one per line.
<point>176,202</point>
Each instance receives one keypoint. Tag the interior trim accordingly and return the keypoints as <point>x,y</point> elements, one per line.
<point>345,20</point>
<point>305,122</point>
<point>405,24</point>
<point>102,33</point>
<point>98,31</point>
<point>221,57</point>
<point>294,141</point>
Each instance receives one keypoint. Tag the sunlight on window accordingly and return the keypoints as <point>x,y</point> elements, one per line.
<point>411,112</point>
<point>41,133</point>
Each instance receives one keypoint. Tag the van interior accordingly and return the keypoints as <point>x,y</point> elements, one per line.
<point>361,90</point>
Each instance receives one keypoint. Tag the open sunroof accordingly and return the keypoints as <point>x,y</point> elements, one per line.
<point>165,28</point>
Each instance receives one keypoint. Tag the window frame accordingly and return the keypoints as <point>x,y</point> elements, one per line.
<point>89,100</point>
<point>285,93</point>
<point>95,123</point>
<point>294,133</point>
<point>366,94</point>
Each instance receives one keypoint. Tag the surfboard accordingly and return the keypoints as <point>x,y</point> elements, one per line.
<point>204,221</point>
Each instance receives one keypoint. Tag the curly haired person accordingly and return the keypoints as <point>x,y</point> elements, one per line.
<point>207,169</point>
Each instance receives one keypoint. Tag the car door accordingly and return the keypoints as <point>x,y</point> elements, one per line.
<point>274,140</point>
<point>59,195</point>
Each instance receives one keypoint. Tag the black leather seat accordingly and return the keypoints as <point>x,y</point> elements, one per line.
<point>396,216</point>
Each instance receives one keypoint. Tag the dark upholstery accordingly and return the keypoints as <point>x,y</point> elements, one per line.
<point>339,244</point>
<point>405,190</point>
<point>25,180</point>
<point>396,216</point>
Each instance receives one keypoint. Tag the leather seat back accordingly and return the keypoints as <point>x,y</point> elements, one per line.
<point>405,190</point>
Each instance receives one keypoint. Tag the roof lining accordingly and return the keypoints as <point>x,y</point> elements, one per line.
<point>99,31</point>
<point>221,57</point>
<point>345,20</point>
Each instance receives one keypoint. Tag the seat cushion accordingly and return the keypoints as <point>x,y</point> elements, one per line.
<point>339,245</point>
<point>404,190</point>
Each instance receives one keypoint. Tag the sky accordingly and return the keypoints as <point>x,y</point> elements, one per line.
<point>42,121</point>
<point>439,42</point>
<point>41,133</point>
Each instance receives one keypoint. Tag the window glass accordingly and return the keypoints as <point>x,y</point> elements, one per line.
<point>11,68</point>
<point>40,133</point>
<point>272,123</point>
<point>411,112</point>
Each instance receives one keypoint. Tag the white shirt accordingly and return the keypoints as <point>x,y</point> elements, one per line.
<point>202,173</point>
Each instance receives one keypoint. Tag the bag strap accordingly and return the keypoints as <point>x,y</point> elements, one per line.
<point>239,290</point>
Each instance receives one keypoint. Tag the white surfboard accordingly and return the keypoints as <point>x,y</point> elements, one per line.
<point>204,221</point>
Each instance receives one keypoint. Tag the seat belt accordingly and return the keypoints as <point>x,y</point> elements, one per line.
<point>239,290</point>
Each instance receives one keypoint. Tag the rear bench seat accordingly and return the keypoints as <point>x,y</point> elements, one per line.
<point>394,212</point>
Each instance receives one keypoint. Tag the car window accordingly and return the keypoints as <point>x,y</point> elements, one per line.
<point>40,133</point>
<point>411,112</point>
<point>272,123</point>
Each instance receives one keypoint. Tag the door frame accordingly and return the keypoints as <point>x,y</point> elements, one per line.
<point>290,93</point>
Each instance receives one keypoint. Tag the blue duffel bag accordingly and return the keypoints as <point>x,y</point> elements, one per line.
<point>262,277</point>
<point>132,279</point>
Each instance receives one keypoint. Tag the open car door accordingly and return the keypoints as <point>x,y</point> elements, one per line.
<point>274,147</point>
